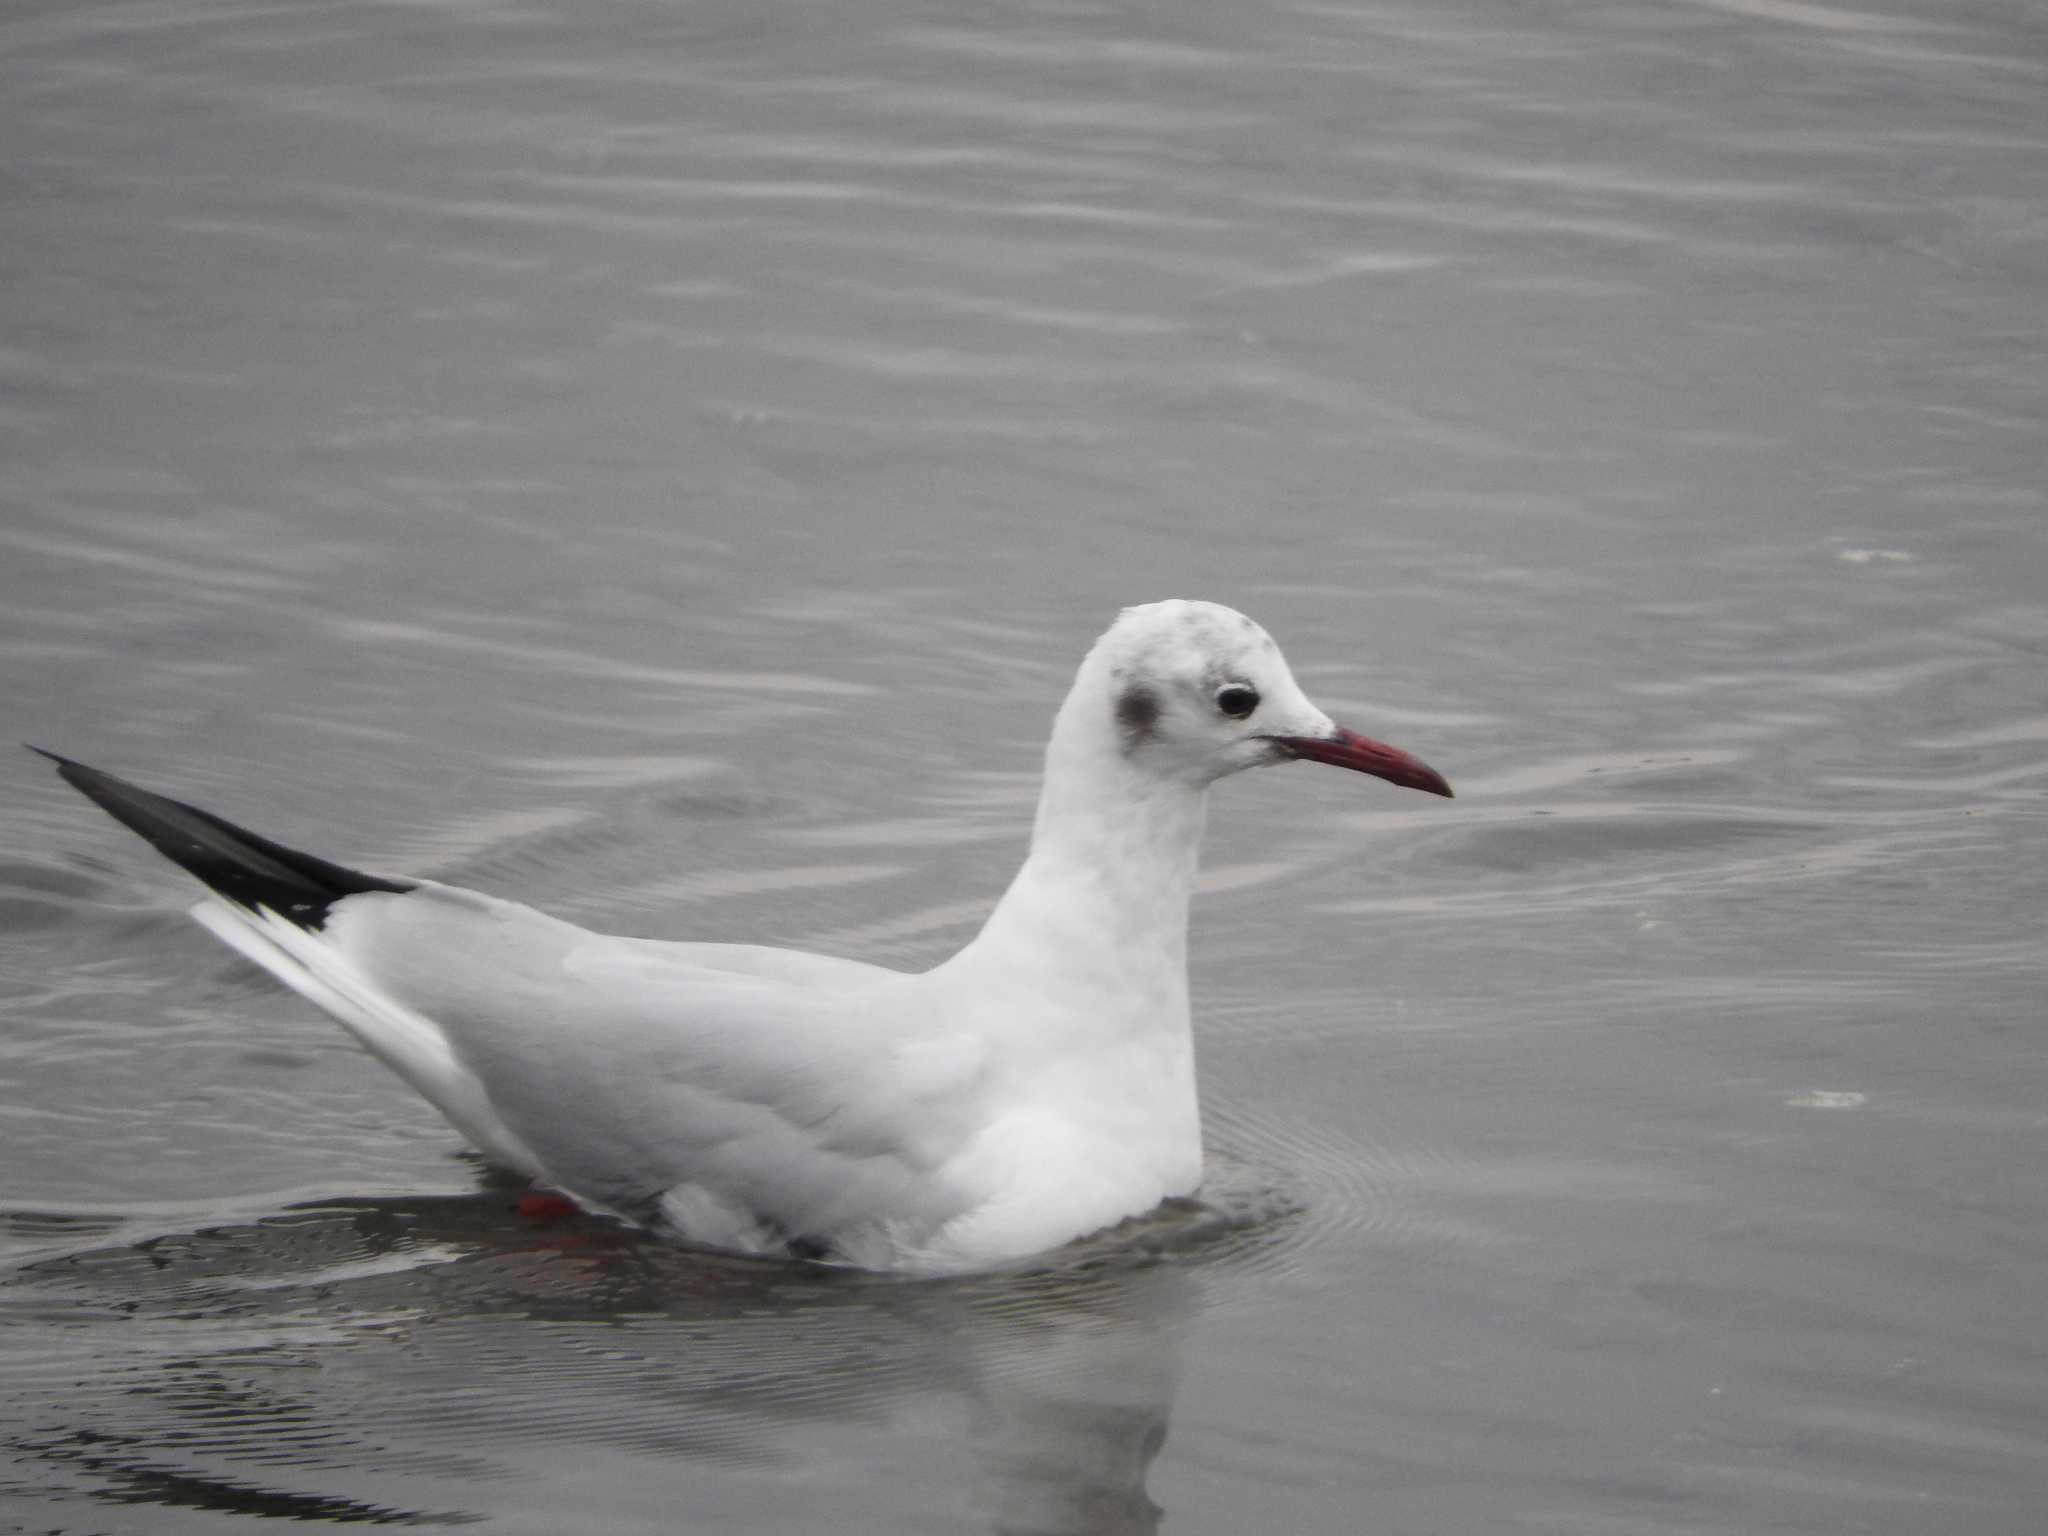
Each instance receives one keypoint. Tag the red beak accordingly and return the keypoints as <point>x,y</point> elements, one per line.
<point>1348,749</point>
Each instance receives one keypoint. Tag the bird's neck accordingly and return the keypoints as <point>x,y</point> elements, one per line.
<point>1104,892</point>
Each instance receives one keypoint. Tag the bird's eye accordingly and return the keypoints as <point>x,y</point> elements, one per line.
<point>1237,700</point>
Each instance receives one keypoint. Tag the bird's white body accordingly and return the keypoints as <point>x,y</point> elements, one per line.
<point>1036,1087</point>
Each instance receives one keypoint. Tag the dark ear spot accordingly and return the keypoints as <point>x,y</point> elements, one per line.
<point>1137,712</point>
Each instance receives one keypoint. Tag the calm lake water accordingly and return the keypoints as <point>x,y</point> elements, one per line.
<point>664,462</point>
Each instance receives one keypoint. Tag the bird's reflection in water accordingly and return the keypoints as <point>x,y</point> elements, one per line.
<point>437,1360</point>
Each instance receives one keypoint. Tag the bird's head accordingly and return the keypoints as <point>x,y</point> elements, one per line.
<point>1195,691</point>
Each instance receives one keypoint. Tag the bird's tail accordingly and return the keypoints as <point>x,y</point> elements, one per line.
<point>246,869</point>
<point>271,903</point>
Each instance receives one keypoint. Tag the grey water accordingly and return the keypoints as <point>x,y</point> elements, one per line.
<point>663,462</point>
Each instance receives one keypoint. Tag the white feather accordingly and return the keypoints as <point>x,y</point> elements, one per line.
<point>1038,1086</point>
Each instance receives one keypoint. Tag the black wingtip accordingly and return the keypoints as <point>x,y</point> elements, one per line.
<point>246,868</point>
<point>77,774</point>
<point>71,771</point>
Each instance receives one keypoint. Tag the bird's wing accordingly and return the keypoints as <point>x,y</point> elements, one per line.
<point>767,1085</point>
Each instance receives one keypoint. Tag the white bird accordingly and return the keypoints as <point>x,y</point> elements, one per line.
<point>1037,1087</point>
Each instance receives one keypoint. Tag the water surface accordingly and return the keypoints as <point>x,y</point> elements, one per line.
<point>664,463</point>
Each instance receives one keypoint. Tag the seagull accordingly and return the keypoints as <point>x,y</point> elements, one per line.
<point>1036,1088</point>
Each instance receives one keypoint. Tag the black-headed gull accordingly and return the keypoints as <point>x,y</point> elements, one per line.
<point>1037,1087</point>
